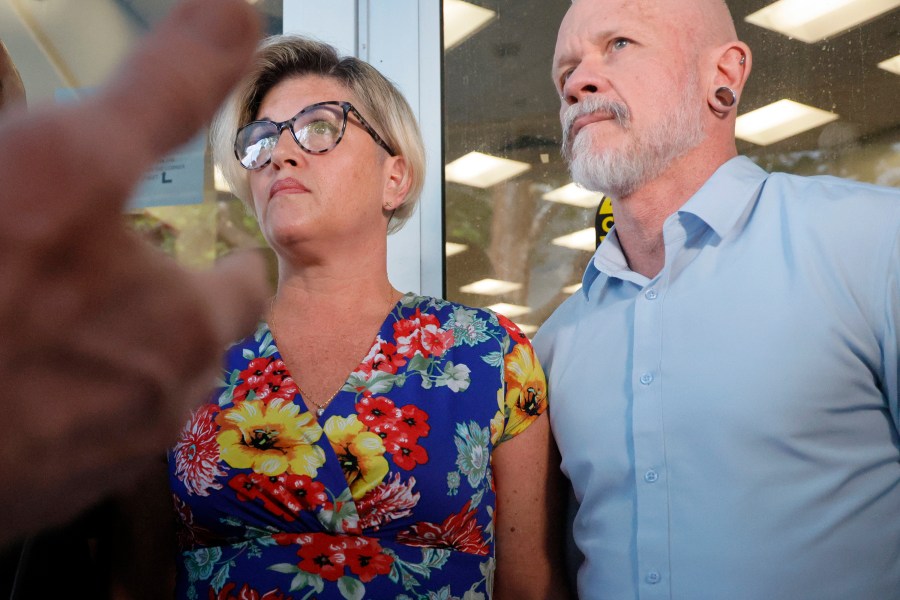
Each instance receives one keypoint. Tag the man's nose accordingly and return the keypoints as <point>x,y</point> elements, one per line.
<point>585,80</point>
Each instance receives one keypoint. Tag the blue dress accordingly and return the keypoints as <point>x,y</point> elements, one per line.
<point>387,494</point>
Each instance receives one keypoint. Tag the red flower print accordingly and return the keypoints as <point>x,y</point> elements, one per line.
<point>388,502</point>
<point>267,378</point>
<point>373,410</point>
<point>322,554</point>
<point>245,593</point>
<point>365,558</point>
<point>197,453</point>
<point>421,334</point>
<point>383,357</point>
<point>387,430</point>
<point>512,329</point>
<point>283,495</point>
<point>188,535</point>
<point>413,421</point>
<point>459,532</point>
<point>405,451</point>
<point>302,491</point>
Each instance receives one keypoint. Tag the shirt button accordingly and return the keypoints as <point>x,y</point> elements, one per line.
<point>646,378</point>
<point>651,476</point>
<point>650,294</point>
<point>653,577</point>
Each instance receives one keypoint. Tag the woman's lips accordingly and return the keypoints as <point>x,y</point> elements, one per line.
<point>287,185</point>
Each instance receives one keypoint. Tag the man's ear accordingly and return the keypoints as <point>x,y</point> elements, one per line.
<point>733,65</point>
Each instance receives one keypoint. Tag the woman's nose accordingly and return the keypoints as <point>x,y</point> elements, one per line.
<point>286,149</point>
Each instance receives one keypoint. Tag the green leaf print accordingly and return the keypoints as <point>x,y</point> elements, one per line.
<point>351,588</point>
<point>495,359</point>
<point>218,582</point>
<point>286,568</point>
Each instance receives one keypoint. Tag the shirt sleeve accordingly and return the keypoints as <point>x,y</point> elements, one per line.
<point>524,389</point>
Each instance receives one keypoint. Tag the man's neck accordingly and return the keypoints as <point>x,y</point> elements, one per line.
<point>640,216</point>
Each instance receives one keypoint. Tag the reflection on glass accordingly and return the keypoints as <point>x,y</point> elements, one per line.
<point>529,229</point>
<point>66,48</point>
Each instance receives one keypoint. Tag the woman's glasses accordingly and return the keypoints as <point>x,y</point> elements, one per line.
<point>317,129</point>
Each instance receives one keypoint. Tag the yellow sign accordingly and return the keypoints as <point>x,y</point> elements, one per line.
<point>604,221</point>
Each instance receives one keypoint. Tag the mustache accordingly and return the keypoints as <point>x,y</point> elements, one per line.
<point>589,106</point>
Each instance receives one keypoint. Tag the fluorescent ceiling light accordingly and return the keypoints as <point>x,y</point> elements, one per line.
<point>585,239</point>
<point>575,195</point>
<point>482,170</point>
<point>452,249</point>
<point>571,289</point>
<point>779,121</point>
<point>490,287</point>
<point>463,19</point>
<point>510,310</point>
<point>891,64</point>
<point>813,20</point>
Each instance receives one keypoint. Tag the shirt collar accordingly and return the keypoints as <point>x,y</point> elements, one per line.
<point>726,195</point>
<point>719,203</point>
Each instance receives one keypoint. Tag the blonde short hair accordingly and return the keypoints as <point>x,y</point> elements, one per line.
<point>381,103</point>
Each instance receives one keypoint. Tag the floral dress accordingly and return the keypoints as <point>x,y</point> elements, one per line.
<point>387,494</point>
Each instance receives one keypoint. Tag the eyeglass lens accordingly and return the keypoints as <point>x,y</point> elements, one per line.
<point>317,130</point>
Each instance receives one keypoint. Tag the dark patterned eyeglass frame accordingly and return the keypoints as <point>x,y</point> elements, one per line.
<point>346,107</point>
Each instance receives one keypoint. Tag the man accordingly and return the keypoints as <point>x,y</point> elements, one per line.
<point>725,386</point>
<point>105,344</point>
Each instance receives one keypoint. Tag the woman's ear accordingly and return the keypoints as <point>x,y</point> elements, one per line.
<point>732,70</point>
<point>397,183</point>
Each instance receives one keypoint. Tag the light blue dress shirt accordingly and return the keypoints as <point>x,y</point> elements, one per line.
<point>730,427</point>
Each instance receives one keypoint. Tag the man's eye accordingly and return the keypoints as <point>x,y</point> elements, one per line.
<point>620,43</point>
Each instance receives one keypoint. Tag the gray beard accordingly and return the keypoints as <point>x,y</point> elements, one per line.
<point>619,174</point>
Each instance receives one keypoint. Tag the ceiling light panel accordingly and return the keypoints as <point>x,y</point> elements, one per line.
<point>452,249</point>
<point>778,121</point>
<point>527,329</point>
<point>891,64</point>
<point>483,170</point>
<point>510,310</point>
<point>585,239</point>
<point>575,195</point>
<point>814,20</point>
<point>462,20</point>
<point>491,287</point>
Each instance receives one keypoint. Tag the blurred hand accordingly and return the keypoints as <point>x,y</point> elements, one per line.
<point>11,88</point>
<point>105,343</point>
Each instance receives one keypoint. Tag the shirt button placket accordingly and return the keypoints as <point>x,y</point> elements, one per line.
<point>649,444</point>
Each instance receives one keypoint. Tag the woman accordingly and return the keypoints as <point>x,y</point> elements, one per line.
<point>365,443</point>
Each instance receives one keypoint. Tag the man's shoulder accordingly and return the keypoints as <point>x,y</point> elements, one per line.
<point>836,207</point>
<point>818,189</point>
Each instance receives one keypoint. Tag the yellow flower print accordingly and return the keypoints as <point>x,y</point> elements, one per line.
<point>526,389</point>
<point>497,421</point>
<point>270,439</point>
<point>359,452</point>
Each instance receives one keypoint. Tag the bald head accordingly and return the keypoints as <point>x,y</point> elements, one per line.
<point>673,70</point>
<point>11,88</point>
<point>707,21</point>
